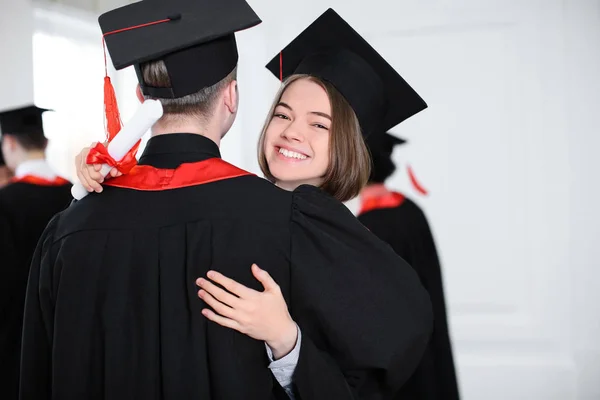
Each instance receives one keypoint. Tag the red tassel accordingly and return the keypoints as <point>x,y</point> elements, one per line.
<point>416,184</point>
<point>281,66</point>
<point>111,110</point>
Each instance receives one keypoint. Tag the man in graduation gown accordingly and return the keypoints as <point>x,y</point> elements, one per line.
<point>112,310</point>
<point>401,223</point>
<point>27,203</point>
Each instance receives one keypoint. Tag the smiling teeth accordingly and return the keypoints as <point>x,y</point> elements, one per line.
<point>292,154</point>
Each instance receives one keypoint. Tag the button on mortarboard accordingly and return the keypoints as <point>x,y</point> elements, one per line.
<point>332,50</point>
<point>195,39</point>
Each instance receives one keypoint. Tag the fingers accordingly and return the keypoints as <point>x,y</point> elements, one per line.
<point>83,173</point>
<point>216,305</point>
<point>226,322</point>
<point>232,286</point>
<point>88,181</point>
<point>114,172</point>
<point>263,277</point>
<point>79,174</point>
<point>94,175</point>
<point>78,162</point>
<point>218,293</point>
<point>88,175</point>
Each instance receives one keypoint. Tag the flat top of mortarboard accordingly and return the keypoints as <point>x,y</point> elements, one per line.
<point>380,97</point>
<point>188,23</point>
<point>25,119</point>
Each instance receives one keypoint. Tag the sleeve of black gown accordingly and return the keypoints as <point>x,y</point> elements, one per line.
<point>365,317</point>
<point>424,257</point>
<point>36,348</point>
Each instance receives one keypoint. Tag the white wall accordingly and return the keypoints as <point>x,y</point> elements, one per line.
<point>582,98</point>
<point>16,77</point>
<point>68,78</point>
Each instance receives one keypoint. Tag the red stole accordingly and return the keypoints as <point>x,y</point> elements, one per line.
<point>36,180</point>
<point>379,197</point>
<point>148,178</point>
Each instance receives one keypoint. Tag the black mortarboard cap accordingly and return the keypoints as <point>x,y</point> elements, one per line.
<point>22,120</point>
<point>381,147</point>
<point>195,39</point>
<point>332,50</point>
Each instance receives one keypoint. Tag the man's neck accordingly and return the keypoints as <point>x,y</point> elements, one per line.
<point>32,156</point>
<point>187,127</point>
<point>35,165</point>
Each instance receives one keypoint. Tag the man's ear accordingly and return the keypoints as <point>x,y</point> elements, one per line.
<point>138,93</point>
<point>9,143</point>
<point>231,97</point>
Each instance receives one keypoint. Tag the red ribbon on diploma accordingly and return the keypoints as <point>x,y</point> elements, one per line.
<point>99,155</point>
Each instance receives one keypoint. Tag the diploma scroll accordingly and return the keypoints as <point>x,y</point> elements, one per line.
<point>147,115</point>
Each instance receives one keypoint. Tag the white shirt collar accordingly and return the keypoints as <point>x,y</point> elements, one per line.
<point>39,168</point>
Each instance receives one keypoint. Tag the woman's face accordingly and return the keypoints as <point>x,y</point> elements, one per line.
<point>297,137</point>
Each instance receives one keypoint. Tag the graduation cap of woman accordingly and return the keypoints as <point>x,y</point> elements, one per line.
<point>194,38</point>
<point>332,50</point>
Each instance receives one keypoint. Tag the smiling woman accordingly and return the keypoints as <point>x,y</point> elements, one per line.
<point>312,136</point>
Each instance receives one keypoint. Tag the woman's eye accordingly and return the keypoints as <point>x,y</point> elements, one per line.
<point>321,126</point>
<point>281,116</point>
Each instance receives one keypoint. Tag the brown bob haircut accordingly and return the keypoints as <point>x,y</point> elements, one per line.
<point>349,161</point>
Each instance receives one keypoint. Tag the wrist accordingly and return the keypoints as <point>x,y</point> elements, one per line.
<point>285,342</point>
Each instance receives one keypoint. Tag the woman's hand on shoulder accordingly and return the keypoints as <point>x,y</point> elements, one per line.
<point>89,174</point>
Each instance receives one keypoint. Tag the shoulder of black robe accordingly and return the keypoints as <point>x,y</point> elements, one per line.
<point>407,230</point>
<point>30,207</point>
<point>26,210</point>
<point>365,316</point>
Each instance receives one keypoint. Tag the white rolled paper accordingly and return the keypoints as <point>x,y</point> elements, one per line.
<point>146,116</point>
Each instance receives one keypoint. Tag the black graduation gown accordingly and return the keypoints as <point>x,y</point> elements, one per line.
<point>112,310</point>
<point>25,210</point>
<point>406,229</point>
